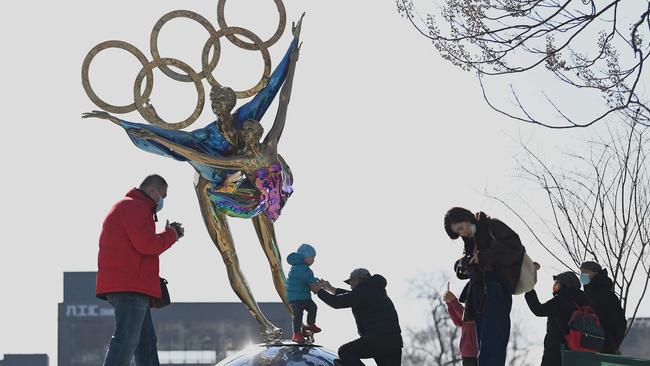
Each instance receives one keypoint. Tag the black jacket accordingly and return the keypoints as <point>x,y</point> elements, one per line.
<point>558,310</point>
<point>500,248</point>
<point>607,306</point>
<point>373,310</point>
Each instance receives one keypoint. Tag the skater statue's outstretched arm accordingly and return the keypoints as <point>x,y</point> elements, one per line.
<point>101,115</point>
<point>236,162</point>
<point>275,133</point>
<point>177,136</point>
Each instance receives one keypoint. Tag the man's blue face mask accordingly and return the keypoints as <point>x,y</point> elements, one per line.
<point>584,279</point>
<point>161,201</point>
<point>159,204</point>
<point>473,227</point>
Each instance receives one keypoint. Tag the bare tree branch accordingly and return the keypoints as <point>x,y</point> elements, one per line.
<point>600,209</point>
<point>504,38</point>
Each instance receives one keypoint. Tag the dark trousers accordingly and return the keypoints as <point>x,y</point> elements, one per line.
<point>385,350</point>
<point>493,325</point>
<point>135,336</point>
<point>470,361</point>
<point>298,307</point>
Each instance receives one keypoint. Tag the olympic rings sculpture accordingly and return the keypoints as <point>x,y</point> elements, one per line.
<point>208,64</point>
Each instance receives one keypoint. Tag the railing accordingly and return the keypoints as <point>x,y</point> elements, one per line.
<point>570,358</point>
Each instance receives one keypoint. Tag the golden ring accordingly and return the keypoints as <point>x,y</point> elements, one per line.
<point>86,82</point>
<point>221,20</point>
<point>147,111</point>
<point>153,43</point>
<point>250,35</point>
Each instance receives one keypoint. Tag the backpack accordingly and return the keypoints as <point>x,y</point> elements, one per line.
<point>585,332</point>
<point>528,274</point>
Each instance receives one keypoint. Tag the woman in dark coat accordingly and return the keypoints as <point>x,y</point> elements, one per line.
<point>567,297</point>
<point>492,259</point>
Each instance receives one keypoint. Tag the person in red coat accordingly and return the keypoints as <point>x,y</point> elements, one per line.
<point>468,345</point>
<point>127,275</point>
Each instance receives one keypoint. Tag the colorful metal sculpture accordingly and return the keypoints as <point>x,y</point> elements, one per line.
<point>237,174</point>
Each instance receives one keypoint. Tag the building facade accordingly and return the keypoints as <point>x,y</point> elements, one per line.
<point>188,333</point>
<point>637,341</point>
<point>25,360</point>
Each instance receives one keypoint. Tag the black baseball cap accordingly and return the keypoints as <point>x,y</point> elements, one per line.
<point>358,273</point>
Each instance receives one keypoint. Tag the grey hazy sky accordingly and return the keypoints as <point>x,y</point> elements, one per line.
<point>382,135</point>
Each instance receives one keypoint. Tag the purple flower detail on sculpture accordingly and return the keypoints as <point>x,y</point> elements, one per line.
<point>275,187</point>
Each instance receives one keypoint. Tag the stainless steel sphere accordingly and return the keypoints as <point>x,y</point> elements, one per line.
<point>287,354</point>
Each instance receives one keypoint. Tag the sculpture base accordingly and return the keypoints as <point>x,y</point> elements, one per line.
<point>281,354</point>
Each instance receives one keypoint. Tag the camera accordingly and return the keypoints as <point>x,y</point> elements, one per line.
<point>178,228</point>
<point>462,268</point>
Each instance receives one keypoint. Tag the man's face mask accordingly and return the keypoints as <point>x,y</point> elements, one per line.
<point>161,201</point>
<point>473,227</point>
<point>584,279</point>
<point>159,204</point>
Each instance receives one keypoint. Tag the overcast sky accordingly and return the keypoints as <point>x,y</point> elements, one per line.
<point>382,136</point>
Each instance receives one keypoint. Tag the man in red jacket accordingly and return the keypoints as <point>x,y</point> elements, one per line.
<point>127,273</point>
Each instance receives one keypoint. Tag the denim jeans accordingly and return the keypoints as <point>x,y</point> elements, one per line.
<point>298,307</point>
<point>493,325</point>
<point>135,335</point>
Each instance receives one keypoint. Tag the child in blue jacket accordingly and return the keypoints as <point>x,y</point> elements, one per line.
<point>299,292</point>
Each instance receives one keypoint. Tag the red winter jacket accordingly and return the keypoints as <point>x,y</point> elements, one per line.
<point>468,339</point>
<point>129,247</point>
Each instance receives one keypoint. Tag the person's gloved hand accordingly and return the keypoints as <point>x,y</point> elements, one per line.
<point>178,228</point>
<point>315,287</point>
<point>327,286</point>
<point>448,297</point>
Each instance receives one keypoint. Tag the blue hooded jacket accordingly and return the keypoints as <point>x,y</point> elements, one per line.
<point>300,275</point>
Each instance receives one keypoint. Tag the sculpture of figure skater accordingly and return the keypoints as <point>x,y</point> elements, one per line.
<point>237,175</point>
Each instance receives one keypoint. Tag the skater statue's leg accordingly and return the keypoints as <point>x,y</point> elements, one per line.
<point>266,234</point>
<point>217,225</point>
